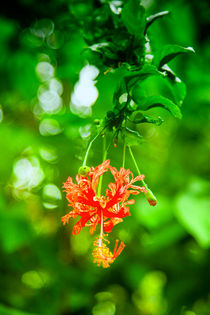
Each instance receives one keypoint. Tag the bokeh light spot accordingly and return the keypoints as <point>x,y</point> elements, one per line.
<point>48,154</point>
<point>104,308</point>
<point>49,127</point>
<point>43,28</point>
<point>28,173</point>
<point>1,114</point>
<point>35,279</point>
<point>85,93</point>
<point>49,100</point>
<point>44,71</point>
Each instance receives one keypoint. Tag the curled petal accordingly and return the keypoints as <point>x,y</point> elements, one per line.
<point>108,225</point>
<point>93,223</point>
<point>138,178</point>
<point>68,183</point>
<point>65,218</point>
<point>77,228</point>
<point>121,213</point>
<point>130,202</point>
<point>134,192</point>
<point>142,189</point>
<point>96,172</point>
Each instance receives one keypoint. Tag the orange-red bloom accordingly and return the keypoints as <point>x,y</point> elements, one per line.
<point>106,210</point>
<point>83,198</point>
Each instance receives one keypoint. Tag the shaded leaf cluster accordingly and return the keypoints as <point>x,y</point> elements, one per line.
<point>116,34</point>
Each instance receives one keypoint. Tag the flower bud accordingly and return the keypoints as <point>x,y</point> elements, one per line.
<point>151,198</point>
<point>84,170</point>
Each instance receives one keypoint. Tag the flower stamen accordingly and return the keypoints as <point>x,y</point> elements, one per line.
<point>101,253</point>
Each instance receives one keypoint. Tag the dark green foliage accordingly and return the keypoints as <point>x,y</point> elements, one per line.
<point>152,18</point>
<point>133,17</point>
<point>160,101</point>
<point>117,36</point>
<point>168,53</point>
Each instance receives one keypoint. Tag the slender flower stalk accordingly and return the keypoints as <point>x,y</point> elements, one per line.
<point>124,149</point>
<point>104,158</point>
<point>150,196</point>
<point>88,149</point>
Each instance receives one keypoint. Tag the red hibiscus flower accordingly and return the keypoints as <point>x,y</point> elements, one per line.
<point>107,211</point>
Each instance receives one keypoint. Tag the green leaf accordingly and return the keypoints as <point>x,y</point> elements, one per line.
<point>179,91</point>
<point>164,237</point>
<point>177,86</point>
<point>115,7</point>
<point>120,90</point>
<point>168,53</point>
<point>160,101</point>
<point>156,121</point>
<point>132,137</point>
<point>193,213</point>
<point>144,72</point>
<point>152,18</point>
<point>105,49</point>
<point>98,47</point>
<point>132,77</point>
<point>148,119</point>
<point>133,17</point>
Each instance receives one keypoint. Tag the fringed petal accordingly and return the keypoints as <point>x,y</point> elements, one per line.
<point>65,218</point>
<point>114,205</point>
<point>77,228</point>
<point>108,225</point>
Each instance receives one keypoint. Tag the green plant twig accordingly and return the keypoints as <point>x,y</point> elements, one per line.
<point>149,195</point>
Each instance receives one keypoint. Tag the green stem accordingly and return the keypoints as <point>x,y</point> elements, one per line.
<point>134,161</point>
<point>88,149</point>
<point>124,149</point>
<point>111,141</point>
<point>149,195</point>
<point>104,158</point>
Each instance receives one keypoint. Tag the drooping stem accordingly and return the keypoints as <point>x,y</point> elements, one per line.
<point>104,149</point>
<point>111,141</point>
<point>104,158</point>
<point>136,165</point>
<point>124,149</point>
<point>149,195</point>
<point>88,149</point>
<point>99,192</point>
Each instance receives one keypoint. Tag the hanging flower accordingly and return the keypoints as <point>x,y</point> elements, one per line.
<point>107,211</point>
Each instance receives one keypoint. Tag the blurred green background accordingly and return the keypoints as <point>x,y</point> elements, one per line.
<point>164,268</point>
